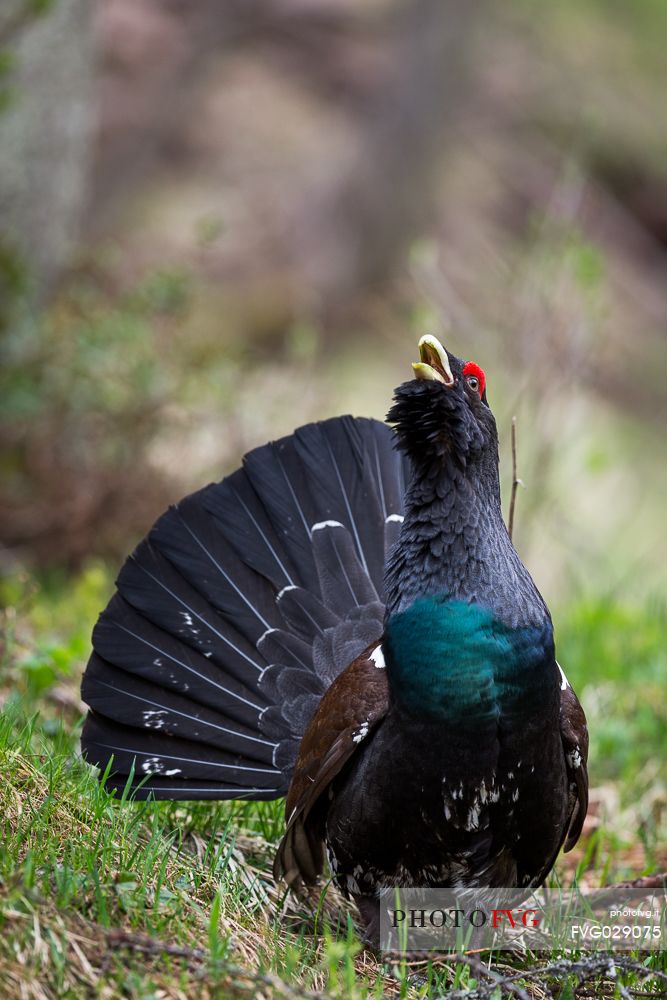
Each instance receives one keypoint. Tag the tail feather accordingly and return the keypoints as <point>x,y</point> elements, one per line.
<point>280,646</point>
<point>389,470</point>
<point>349,496</point>
<point>151,753</point>
<point>193,544</point>
<point>131,701</point>
<point>133,644</point>
<point>280,683</point>
<point>392,528</point>
<point>336,648</point>
<point>243,520</point>
<point>303,613</point>
<point>237,612</point>
<point>343,581</point>
<point>150,584</point>
<point>189,789</point>
<point>277,477</point>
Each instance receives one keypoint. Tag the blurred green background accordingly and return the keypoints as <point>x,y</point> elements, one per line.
<point>219,221</point>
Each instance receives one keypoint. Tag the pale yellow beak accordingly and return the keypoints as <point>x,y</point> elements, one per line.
<point>434,364</point>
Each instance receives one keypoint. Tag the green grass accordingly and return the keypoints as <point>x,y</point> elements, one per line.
<point>100,898</point>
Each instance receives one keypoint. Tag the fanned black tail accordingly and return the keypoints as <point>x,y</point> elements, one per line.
<point>237,612</point>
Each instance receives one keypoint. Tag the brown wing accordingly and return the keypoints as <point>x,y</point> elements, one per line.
<point>347,715</point>
<point>574,734</point>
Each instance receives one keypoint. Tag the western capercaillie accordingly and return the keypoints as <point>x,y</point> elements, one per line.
<point>347,623</point>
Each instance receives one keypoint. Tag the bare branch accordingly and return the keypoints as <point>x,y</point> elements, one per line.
<point>516,482</point>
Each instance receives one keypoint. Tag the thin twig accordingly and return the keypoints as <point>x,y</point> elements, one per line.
<point>516,482</point>
<point>197,956</point>
<point>585,968</point>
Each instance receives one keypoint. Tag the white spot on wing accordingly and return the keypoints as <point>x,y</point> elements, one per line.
<point>574,758</point>
<point>377,656</point>
<point>361,733</point>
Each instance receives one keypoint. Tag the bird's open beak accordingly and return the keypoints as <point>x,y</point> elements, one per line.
<point>434,364</point>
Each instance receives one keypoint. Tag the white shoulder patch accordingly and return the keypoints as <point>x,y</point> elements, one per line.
<point>377,656</point>
<point>564,683</point>
<point>326,524</point>
<point>361,733</point>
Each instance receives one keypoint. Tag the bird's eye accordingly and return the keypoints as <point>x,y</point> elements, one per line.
<point>475,378</point>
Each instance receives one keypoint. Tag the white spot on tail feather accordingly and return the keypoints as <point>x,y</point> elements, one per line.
<point>564,683</point>
<point>290,586</point>
<point>152,765</point>
<point>574,758</point>
<point>154,718</point>
<point>395,517</point>
<point>325,524</point>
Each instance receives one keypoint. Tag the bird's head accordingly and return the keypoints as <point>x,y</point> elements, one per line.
<point>442,413</point>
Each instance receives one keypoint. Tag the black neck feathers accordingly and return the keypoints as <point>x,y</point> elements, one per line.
<point>453,542</point>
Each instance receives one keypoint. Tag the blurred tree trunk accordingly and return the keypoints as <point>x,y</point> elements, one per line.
<point>387,194</point>
<point>45,133</point>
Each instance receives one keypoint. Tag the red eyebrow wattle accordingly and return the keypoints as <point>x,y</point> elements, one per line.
<point>470,368</point>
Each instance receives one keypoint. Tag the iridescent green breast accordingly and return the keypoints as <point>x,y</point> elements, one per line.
<point>449,659</point>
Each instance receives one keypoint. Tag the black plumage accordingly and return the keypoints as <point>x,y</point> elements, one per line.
<point>236,613</point>
<point>349,624</point>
